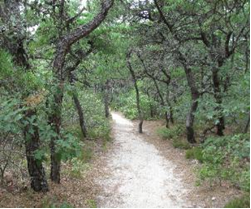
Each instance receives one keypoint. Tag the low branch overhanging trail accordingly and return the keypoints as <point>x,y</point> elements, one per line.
<point>140,176</point>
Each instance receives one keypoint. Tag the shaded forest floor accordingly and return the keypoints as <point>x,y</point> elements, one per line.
<point>90,188</point>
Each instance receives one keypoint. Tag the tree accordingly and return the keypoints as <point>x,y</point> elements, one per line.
<point>62,49</point>
<point>15,45</point>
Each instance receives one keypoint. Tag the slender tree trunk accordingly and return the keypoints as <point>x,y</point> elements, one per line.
<point>55,120</point>
<point>80,114</point>
<point>171,113</point>
<point>150,106</point>
<point>247,125</point>
<point>32,145</point>
<point>218,97</point>
<point>170,106</point>
<point>138,107</point>
<point>195,96</point>
<point>190,119</point>
<point>137,93</point>
<point>162,101</point>
<point>106,99</point>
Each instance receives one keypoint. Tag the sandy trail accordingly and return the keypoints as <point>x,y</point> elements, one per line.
<point>139,175</point>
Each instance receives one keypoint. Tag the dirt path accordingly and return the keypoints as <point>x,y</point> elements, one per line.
<point>139,175</point>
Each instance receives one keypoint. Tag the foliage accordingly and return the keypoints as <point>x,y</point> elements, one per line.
<point>97,125</point>
<point>195,153</point>
<point>181,144</point>
<point>78,167</point>
<point>226,158</point>
<point>173,132</point>
<point>126,103</point>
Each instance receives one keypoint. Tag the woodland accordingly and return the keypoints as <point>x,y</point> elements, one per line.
<point>65,65</point>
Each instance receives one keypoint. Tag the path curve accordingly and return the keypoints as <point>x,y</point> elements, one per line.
<point>139,175</point>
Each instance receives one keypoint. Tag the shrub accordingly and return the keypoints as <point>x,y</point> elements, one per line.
<point>227,158</point>
<point>78,168</point>
<point>97,124</point>
<point>171,133</point>
<point>178,143</point>
<point>242,202</point>
<point>126,103</point>
<point>195,153</point>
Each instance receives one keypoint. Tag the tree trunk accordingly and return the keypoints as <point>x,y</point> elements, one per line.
<point>171,114</point>
<point>218,97</point>
<point>55,121</point>
<point>106,99</point>
<point>167,119</point>
<point>30,132</point>
<point>162,101</point>
<point>150,106</point>
<point>247,125</point>
<point>62,49</point>
<point>190,120</point>
<point>80,114</point>
<point>32,144</point>
<point>137,93</point>
<point>195,96</point>
<point>170,110</point>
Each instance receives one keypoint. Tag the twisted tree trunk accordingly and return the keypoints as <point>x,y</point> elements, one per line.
<point>190,116</point>
<point>140,116</point>
<point>194,95</point>
<point>62,49</point>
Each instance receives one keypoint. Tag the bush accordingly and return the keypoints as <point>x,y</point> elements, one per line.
<point>242,202</point>
<point>78,168</point>
<point>97,124</point>
<point>227,158</point>
<point>126,103</point>
<point>178,143</point>
<point>171,133</point>
<point>195,153</point>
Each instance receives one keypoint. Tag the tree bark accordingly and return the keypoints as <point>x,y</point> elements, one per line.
<point>62,49</point>
<point>218,98</point>
<point>247,125</point>
<point>55,121</point>
<point>137,93</point>
<point>80,114</point>
<point>106,99</point>
<point>194,105</point>
<point>32,144</point>
<point>190,120</point>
